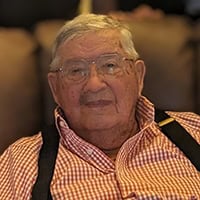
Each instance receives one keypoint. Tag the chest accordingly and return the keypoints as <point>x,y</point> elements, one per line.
<point>147,175</point>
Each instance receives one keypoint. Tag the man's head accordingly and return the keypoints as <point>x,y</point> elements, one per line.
<point>95,75</point>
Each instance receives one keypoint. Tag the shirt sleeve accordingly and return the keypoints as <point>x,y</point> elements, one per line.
<point>18,168</point>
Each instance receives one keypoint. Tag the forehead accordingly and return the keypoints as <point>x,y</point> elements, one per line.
<point>91,44</point>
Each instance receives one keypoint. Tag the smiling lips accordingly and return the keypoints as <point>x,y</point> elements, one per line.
<point>98,103</point>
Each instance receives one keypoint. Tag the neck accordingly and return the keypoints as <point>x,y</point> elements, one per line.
<point>112,152</point>
<point>110,140</point>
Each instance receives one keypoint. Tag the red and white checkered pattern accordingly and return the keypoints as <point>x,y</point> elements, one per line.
<point>148,165</point>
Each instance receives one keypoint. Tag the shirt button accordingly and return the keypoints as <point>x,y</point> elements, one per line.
<point>89,151</point>
<point>62,124</point>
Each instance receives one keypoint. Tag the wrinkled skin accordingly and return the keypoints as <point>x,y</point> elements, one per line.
<point>100,110</point>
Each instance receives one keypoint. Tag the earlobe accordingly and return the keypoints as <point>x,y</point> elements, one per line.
<point>52,80</point>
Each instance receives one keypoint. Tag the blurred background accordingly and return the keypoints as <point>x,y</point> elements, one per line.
<point>166,35</point>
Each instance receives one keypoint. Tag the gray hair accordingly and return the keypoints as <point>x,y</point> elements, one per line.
<point>92,22</point>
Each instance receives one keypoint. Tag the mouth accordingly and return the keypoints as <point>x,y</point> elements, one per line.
<point>98,103</point>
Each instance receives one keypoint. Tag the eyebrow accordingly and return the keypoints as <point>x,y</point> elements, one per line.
<point>90,58</point>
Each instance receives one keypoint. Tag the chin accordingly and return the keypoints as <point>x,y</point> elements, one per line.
<point>99,124</point>
<point>97,127</point>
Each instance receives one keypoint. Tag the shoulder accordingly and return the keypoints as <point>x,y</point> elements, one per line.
<point>30,142</point>
<point>190,121</point>
<point>23,147</point>
<point>18,166</point>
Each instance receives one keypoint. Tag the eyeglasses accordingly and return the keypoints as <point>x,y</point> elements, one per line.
<point>106,64</point>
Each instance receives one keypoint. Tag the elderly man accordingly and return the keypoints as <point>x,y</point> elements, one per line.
<point>110,146</point>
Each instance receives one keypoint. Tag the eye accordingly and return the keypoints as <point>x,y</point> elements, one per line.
<point>75,69</point>
<point>77,72</point>
<point>110,65</point>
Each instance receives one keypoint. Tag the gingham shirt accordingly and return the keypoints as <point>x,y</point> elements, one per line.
<point>148,165</point>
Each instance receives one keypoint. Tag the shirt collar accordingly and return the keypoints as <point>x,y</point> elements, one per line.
<point>92,154</point>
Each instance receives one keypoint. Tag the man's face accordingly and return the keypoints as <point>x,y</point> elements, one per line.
<point>98,102</point>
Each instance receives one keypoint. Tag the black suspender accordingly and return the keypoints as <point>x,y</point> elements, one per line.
<point>179,136</point>
<point>46,163</point>
<point>173,130</point>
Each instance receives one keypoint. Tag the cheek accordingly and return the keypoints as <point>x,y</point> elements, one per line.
<point>127,95</point>
<point>69,98</point>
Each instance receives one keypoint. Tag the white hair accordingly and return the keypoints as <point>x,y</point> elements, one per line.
<point>92,22</point>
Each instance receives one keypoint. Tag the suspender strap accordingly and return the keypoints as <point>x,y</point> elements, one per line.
<point>47,157</point>
<point>46,162</point>
<point>179,136</point>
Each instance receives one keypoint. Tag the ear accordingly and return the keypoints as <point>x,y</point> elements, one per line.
<point>140,71</point>
<point>53,84</point>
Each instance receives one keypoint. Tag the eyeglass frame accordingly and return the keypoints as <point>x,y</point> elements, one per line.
<point>89,62</point>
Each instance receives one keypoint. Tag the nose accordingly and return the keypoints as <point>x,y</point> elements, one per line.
<point>95,81</point>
